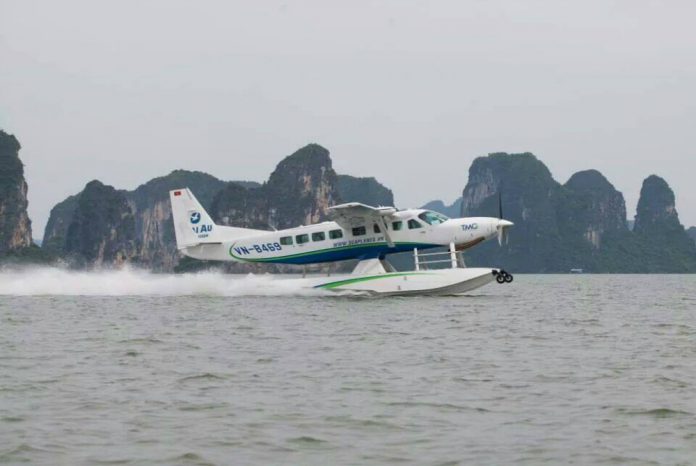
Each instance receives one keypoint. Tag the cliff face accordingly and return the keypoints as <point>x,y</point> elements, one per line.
<point>558,227</point>
<point>366,190</point>
<point>56,231</point>
<point>453,210</point>
<point>525,183</point>
<point>580,224</point>
<point>656,212</point>
<point>665,245</point>
<point>692,233</point>
<point>593,231</point>
<point>15,226</point>
<point>102,229</point>
<point>591,207</point>
<point>299,191</point>
<point>528,191</point>
<point>301,188</point>
<point>242,207</point>
<point>152,228</point>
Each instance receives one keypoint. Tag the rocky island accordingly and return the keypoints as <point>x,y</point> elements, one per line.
<point>136,227</point>
<point>15,227</point>
<point>579,224</point>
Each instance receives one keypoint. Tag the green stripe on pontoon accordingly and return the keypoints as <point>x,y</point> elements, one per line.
<point>350,281</point>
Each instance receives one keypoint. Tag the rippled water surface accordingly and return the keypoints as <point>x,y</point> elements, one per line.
<point>550,369</point>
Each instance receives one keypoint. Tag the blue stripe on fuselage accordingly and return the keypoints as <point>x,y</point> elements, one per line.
<point>338,254</point>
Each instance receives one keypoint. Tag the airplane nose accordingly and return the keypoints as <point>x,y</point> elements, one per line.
<point>505,223</point>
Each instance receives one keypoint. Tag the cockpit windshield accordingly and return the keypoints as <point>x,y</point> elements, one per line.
<point>432,218</point>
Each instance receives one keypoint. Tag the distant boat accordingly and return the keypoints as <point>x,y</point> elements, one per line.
<point>576,271</point>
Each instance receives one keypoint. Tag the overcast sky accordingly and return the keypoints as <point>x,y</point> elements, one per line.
<point>407,91</point>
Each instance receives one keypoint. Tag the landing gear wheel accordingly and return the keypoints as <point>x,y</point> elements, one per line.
<point>500,278</point>
<point>508,278</point>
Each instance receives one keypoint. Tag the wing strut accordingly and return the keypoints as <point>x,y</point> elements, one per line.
<point>387,236</point>
<point>355,213</point>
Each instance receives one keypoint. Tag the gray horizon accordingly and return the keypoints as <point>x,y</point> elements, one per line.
<point>407,92</point>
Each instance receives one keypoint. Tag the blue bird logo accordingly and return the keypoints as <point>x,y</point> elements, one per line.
<point>195,217</point>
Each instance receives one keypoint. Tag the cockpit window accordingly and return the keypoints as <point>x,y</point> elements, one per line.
<point>432,218</point>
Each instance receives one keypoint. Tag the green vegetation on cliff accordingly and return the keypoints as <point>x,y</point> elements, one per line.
<point>665,244</point>
<point>56,231</point>
<point>299,191</point>
<point>366,190</point>
<point>528,192</point>
<point>241,207</point>
<point>152,229</point>
<point>302,187</point>
<point>453,210</point>
<point>15,226</point>
<point>581,224</point>
<point>692,233</point>
<point>102,230</point>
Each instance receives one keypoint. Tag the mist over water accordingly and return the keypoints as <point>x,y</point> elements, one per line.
<point>43,281</point>
<point>201,369</point>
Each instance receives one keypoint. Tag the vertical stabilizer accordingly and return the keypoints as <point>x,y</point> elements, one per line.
<point>192,224</point>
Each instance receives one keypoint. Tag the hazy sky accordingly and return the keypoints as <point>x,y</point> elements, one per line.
<point>407,91</point>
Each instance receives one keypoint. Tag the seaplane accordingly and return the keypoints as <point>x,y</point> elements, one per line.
<point>356,231</point>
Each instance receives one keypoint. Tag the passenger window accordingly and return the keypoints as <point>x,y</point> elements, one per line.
<point>286,240</point>
<point>359,231</point>
<point>335,234</point>
<point>376,229</point>
<point>396,226</point>
<point>301,239</point>
<point>413,224</point>
<point>318,236</point>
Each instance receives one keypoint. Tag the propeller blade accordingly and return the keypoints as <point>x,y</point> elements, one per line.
<point>500,204</point>
<point>502,227</point>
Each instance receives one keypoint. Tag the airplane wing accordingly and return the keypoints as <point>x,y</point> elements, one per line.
<point>354,214</point>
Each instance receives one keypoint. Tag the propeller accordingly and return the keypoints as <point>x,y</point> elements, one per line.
<point>503,224</point>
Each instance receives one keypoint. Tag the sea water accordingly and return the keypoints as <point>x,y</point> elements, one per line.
<point>135,368</point>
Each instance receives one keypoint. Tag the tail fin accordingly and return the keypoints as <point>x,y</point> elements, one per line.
<point>193,225</point>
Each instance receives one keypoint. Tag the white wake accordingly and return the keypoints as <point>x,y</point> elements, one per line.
<point>46,281</point>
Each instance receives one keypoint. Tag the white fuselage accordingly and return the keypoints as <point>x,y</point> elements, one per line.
<point>328,241</point>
